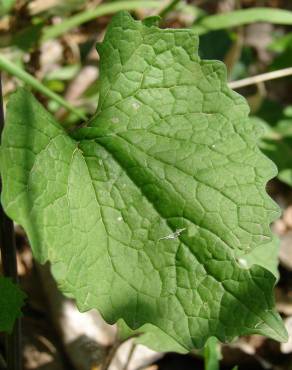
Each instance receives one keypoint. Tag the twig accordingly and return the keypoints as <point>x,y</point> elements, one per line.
<point>8,255</point>
<point>113,350</point>
<point>169,7</point>
<point>111,354</point>
<point>260,78</point>
<point>130,355</point>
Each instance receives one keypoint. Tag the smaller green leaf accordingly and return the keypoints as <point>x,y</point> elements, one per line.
<point>11,301</point>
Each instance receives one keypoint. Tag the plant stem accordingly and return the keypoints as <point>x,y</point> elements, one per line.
<point>8,255</point>
<point>55,31</point>
<point>260,78</point>
<point>16,71</point>
<point>168,8</point>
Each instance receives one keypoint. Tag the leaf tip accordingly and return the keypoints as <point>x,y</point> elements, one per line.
<point>272,327</point>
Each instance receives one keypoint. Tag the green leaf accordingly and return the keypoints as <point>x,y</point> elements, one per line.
<point>241,17</point>
<point>145,212</point>
<point>11,301</point>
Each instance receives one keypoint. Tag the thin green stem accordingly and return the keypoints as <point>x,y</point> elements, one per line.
<point>21,74</point>
<point>8,256</point>
<point>55,31</point>
<point>173,3</point>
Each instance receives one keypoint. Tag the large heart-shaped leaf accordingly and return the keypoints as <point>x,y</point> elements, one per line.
<point>146,214</point>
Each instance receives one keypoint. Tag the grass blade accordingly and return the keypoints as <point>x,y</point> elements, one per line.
<point>240,17</point>
<point>55,31</point>
<point>7,66</point>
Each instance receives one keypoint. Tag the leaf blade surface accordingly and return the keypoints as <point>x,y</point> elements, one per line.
<point>146,212</point>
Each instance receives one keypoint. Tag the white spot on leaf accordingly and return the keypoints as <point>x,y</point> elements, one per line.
<point>115,120</point>
<point>174,235</point>
<point>136,105</point>
<point>243,263</point>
